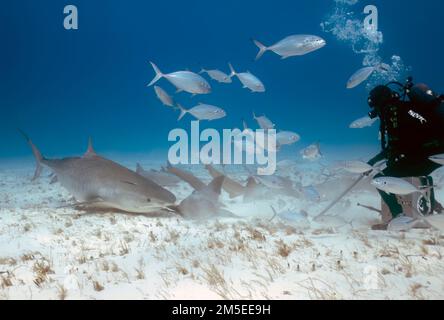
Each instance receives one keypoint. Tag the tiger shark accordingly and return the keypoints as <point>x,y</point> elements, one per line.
<point>96,182</point>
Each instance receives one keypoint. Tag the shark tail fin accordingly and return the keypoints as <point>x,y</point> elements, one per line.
<point>37,154</point>
<point>183,112</point>
<point>158,76</point>
<point>262,49</point>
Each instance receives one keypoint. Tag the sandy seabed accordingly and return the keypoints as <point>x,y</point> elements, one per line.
<point>48,251</point>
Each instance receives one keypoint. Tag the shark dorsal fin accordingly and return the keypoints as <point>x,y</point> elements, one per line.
<point>251,182</point>
<point>139,168</point>
<point>90,151</point>
<point>216,185</point>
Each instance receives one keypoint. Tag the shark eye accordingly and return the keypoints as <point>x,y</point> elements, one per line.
<point>148,200</point>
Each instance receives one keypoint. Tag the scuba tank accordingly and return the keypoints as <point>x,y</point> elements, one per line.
<point>426,106</point>
<point>423,96</point>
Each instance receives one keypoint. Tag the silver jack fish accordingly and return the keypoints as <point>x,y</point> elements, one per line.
<point>183,80</point>
<point>248,80</point>
<point>295,45</point>
<point>362,122</point>
<point>396,186</point>
<point>263,122</point>
<point>363,74</point>
<point>203,112</point>
<point>164,96</point>
<point>217,75</point>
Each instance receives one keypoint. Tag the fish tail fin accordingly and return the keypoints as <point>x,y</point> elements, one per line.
<point>202,70</point>
<point>262,49</point>
<point>37,154</point>
<point>183,112</point>
<point>233,72</point>
<point>244,124</point>
<point>139,168</point>
<point>383,67</point>
<point>158,76</point>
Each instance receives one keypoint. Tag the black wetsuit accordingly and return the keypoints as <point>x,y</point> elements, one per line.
<point>411,134</point>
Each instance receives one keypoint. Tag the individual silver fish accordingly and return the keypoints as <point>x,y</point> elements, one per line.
<point>263,122</point>
<point>161,178</point>
<point>204,204</point>
<point>357,167</point>
<point>362,122</point>
<point>438,158</point>
<point>295,45</point>
<point>203,112</point>
<point>248,80</point>
<point>396,186</point>
<point>183,80</point>
<point>101,183</point>
<point>402,224</point>
<point>312,152</point>
<point>164,96</point>
<point>217,75</point>
<point>275,182</point>
<point>287,138</point>
<point>363,74</point>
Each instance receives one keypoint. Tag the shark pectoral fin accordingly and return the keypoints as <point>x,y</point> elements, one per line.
<point>93,201</point>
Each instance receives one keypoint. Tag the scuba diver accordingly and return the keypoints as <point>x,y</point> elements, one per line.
<point>411,130</point>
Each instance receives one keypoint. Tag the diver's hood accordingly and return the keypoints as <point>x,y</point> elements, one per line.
<point>380,96</point>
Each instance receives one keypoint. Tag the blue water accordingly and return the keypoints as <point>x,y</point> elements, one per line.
<point>62,86</point>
